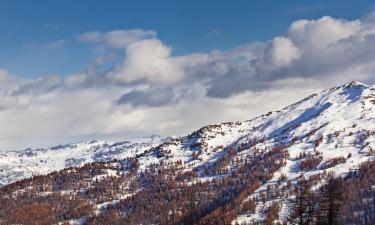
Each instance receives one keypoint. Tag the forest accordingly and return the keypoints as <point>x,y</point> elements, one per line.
<point>117,193</point>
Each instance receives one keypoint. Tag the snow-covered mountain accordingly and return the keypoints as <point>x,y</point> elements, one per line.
<point>342,119</point>
<point>17,165</point>
<point>331,131</point>
<point>336,126</point>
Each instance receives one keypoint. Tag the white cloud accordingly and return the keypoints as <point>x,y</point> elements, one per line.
<point>320,33</point>
<point>148,60</point>
<point>117,38</point>
<point>153,91</point>
<point>281,52</point>
<point>284,52</point>
<point>4,76</point>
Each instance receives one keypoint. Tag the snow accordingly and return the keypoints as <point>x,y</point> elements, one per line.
<point>107,173</point>
<point>80,221</point>
<point>100,207</point>
<point>344,117</point>
<point>17,165</point>
<point>347,110</point>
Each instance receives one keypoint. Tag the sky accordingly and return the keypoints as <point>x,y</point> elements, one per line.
<point>38,38</point>
<point>76,70</point>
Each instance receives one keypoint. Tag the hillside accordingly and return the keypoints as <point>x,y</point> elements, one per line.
<point>17,165</point>
<point>207,177</point>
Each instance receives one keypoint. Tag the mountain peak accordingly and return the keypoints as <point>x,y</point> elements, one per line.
<point>355,83</point>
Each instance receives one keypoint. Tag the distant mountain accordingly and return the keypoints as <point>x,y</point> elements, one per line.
<point>17,165</point>
<point>211,176</point>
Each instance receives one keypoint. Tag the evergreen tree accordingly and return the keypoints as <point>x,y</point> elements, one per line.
<point>302,206</point>
<point>330,202</point>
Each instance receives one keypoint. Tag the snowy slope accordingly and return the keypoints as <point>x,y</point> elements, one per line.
<point>16,165</point>
<point>346,111</point>
<point>336,126</point>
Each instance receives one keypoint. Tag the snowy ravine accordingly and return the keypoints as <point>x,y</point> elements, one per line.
<point>336,126</point>
<point>17,165</point>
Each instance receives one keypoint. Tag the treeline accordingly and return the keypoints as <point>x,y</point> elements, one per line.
<point>214,193</point>
<point>61,196</point>
<point>165,193</point>
<point>164,200</point>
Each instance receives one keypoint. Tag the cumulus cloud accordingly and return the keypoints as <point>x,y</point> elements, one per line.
<point>283,52</point>
<point>153,91</point>
<point>5,77</point>
<point>335,50</point>
<point>319,34</point>
<point>147,60</point>
<point>8,82</point>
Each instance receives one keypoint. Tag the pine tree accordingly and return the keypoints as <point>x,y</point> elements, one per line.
<point>330,202</point>
<point>302,206</point>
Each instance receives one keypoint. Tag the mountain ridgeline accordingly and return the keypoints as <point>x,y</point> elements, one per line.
<point>278,168</point>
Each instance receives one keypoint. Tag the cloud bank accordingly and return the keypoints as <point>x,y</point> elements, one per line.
<point>152,91</point>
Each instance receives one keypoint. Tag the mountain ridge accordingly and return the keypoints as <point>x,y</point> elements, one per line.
<point>330,131</point>
<point>353,86</point>
<point>20,164</point>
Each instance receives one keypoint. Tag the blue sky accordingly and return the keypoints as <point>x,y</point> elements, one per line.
<point>77,70</point>
<point>38,38</point>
